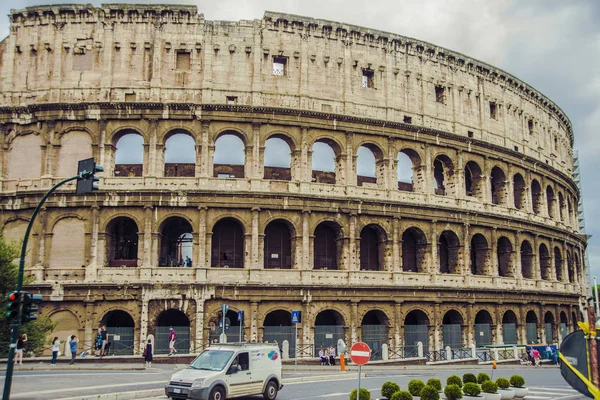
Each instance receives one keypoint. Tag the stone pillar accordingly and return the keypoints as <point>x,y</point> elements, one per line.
<point>494,252</point>
<point>466,249</point>
<point>459,173</point>
<point>88,333</point>
<point>471,332</point>
<point>147,237</point>
<point>257,152</point>
<point>305,168</point>
<point>354,322</point>
<point>437,328</point>
<point>205,160</point>
<point>518,267</point>
<point>499,338</point>
<point>354,246</point>
<point>90,271</point>
<point>398,325</point>
<point>201,250</point>
<point>509,186</point>
<point>306,248</point>
<point>434,266</point>
<point>537,267</point>
<point>396,247</point>
<point>350,175</point>
<point>254,321</point>
<point>155,166</point>
<point>199,340</point>
<point>144,318</point>
<point>255,238</point>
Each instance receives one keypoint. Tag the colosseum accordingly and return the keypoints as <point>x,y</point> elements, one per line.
<point>391,190</point>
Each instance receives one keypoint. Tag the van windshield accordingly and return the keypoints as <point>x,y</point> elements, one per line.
<point>212,360</point>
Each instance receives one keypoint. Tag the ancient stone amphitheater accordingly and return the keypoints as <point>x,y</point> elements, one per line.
<point>462,231</point>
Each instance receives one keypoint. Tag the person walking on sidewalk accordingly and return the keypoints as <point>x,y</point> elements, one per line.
<point>20,345</point>
<point>104,340</point>
<point>73,345</point>
<point>148,354</point>
<point>172,339</point>
<point>55,350</point>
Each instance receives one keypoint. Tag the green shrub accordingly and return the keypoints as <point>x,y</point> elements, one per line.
<point>364,394</point>
<point>454,380</point>
<point>502,383</point>
<point>435,383</point>
<point>453,392</point>
<point>402,395</point>
<point>389,388</point>
<point>471,389</point>
<point>429,393</point>
<point>517,381</point>
<point>489,387</point>
<point>482,377</point>
<point>415,386</point>
<point>469,377</point>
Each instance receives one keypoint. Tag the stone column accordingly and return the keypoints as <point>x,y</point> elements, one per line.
<point>398,325</point>
<point>254,321</point>
<point>494,251</point>
<point>306,248</point>
<point>536,265</point>
<point>305,168</point>
<point>354,322</point>
<point>88,335</point>
<point>201,251</point>
<point>459,173</point>
<point>196,345</point>
<point>499,339</point>
<point>471,332</point>
<point>147,246</point>
<point>90,271</point>
<point>350,176</point>
<point>144,318</point>
<point>437,328</point>
<point>434,266</point>
<point>467,249</point>
<point>156,163</point>
<point>354,246</point>
<point>205,159</point>
<point>255,245</point>
<point>257,166</point>
<point>160,159</point>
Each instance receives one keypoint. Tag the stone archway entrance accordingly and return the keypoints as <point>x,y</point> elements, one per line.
<point>416,329</point>
<point>329,328</point>
<point>278,328</point>
<point>180,323</point>
<point>483,329</point>
<point>374,332</point>
<point>120,327</point>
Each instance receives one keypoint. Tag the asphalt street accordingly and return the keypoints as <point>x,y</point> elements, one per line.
<point>544,383</point>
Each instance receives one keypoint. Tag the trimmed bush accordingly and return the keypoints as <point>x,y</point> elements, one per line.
<point>489,387</point>
<point>429,393</point>
<point>517,381</point>
<point>402,395</point>
<point>454,380</point>
<point>415,386</point>
<point>502,383</point>
<point>389,388</point>
<point>453,392</point>
<point>471,389</point>
<point>364,394</point>
<point>435,383</point>
<point>482,377</point>
<point>469,377</point>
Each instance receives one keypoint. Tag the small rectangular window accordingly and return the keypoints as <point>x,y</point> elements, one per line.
<point>439,94</point>
<point>368,78</point>
<point>232,99</point>
<point>493,110</point>
<point>470,134</point>
<point>407,119</point>
<point>280,66</point>
<point>182,63</point>
<point>516,148</point>
<point>530,126</point>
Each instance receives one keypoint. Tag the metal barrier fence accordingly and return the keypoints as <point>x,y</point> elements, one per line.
<point>435,355</point>
<point>462,353</point>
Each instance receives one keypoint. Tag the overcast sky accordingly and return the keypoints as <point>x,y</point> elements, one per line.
<point>552,45</point>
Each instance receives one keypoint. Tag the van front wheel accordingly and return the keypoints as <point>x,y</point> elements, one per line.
<point>217,393</point>
<point>270,391</point>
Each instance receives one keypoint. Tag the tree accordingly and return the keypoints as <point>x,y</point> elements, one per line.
<point>37,330</point>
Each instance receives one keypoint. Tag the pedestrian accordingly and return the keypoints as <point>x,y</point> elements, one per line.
<point>104,340</point>
<point>148,354</point>
<point>20,345</point>
<point>536,357</point>
<point>98,343</point>
<point>172,339</point>
<point>331,355</point>
<point>73,345</point>
<point>548,352</point>
<point>324,360</point>
<point>55,350</point>
<point>188,261</point>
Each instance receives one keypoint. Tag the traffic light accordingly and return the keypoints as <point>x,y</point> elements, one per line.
<point>12,307</point>
<point>30,308</point>
<point>86,169</point>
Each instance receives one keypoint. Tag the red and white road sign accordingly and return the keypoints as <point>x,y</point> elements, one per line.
<point>360,353</point>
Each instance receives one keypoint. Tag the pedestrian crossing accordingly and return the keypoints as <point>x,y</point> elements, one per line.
<point>553,393</point>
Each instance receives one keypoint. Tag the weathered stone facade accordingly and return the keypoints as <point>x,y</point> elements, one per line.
<point>485,233</point>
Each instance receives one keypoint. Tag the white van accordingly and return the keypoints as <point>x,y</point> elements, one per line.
<point>224,371</point>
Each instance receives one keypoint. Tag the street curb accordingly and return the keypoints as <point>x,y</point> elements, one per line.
<point>82,368</point>
<point>321,378</point>
<point>138,394</point>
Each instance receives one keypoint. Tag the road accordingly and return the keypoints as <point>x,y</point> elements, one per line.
<point>543,383</point>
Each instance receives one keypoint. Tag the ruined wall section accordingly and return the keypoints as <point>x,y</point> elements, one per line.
<point>140,53</point>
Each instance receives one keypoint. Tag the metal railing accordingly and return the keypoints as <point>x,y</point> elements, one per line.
<point>462,353</point>
<point>435,355</point>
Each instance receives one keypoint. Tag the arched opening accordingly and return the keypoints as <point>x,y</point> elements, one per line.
<point>452,329</point>
<point>531,325</point>
<point>564,321</point>
<point>504,253</point>
<point>519,191</point>
<point>324,163</point>
<point>448,250</point>
<point>545,262</point>
<point>480,255</point>
<point>327,248</point>
<point>74,146</point>
<point>372,248</point>
<point>574,321</point>
<point>120,328</point>
<point>374,331</point>
<point>278,159</point>
<point>180,154</point>
<point>414,250</point>
<point>569,220</point>
<point>561,207</point>
<point>473,180</point>
<point>366,166</point>
<point>577,268</point>
<point>129,154</point>
<point>549,327</point>
<point>122,242</point>
<point>278,327</point>
<point>67,324</point>
<point>416,329</point>
<point>329,328</point>
<point>509,328</point>
<point>278,245</point>
<point>410,174</point>
<point>483,329</point>
<point>229,157</point>
<point>176,242</point>
<point>527,260</point>
<point>443,175</point>
<point>180,324</point>
<point>227,249</point>
<point>498,183</point>
<point>67,248</point>
<point>232,327</point>
<point>558,264</point>
<point>550,201</point>
<point>536,196</point>
<point>570,268</point>
<point>29,167</point>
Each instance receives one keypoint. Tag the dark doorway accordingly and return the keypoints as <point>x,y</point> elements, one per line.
<point>278,246</point>
<point>181,325</point>
<point>122,242</point>
<point>120,327</point>
<point>227,244</point>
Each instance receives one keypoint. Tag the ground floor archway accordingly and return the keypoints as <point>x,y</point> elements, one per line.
<point>181,325</point>
<point>120,327</point>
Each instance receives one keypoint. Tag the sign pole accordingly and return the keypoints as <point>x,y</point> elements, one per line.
<point>358,391</point>
<point>241,323</point>
<point>296,350</point>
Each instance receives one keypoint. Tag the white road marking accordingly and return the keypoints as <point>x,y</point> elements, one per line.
<point>81,388</point>
<point>80,374</point>
<point>360,353</point>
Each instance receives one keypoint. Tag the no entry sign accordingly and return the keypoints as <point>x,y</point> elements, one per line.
<point>360,353</point>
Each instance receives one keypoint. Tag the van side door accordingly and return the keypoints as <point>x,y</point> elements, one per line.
<point>239,375</point>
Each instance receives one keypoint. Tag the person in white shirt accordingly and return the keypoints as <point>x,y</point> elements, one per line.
<point>332,355</point>
<point>55,350</point>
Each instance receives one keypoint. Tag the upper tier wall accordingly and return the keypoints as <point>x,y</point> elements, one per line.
<point>169,53</point>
